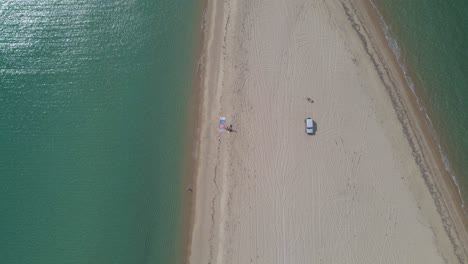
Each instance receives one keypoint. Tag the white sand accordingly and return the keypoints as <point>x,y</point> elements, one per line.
<point>352,193</point>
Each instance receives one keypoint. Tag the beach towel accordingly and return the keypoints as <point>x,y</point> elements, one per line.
<point>222,123</point>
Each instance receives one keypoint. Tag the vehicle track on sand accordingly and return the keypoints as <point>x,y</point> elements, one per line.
<point>352,193</point>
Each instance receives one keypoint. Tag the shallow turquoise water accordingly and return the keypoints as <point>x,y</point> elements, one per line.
<point>433,39</point>
<point>93,97</point>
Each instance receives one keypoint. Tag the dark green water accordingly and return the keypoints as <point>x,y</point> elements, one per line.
<point>93,101</point>
<point>432,37</point>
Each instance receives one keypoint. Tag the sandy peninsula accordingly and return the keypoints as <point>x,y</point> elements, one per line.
<point>366,188</point>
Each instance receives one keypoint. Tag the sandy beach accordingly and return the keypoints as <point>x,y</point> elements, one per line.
<point>366,188</point>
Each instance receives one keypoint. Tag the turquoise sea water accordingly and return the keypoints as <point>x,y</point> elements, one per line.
<point>93,101</point>
<point>432,37</point>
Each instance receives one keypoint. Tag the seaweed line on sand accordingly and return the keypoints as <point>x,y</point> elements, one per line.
<point>408,130</point>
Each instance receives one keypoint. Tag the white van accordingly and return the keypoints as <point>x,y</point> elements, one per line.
<point>309,124</point>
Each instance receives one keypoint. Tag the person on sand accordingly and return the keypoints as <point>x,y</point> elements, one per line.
<point>229,129</point>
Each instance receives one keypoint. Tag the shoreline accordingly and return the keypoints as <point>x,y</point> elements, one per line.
<point>365,23</point>
<point>192,138</point>
<point>438,179</point>
<point>196,109</point>
<point>407,72</point>
<point>208,53</point>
